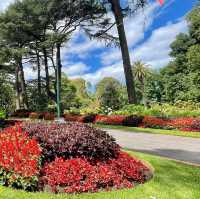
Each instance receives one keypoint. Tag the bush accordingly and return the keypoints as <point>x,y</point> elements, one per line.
<point>19,159</point>
<point>21,113</point>
<point>133,120</point>
<point>79,175</point>
<point>178,109</point>
<point>8,123</point>
<point>72,140</point>
<point>89,118</point>
<point>2,115</point>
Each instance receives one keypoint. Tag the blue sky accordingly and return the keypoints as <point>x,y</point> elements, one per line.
<point>149,34</point>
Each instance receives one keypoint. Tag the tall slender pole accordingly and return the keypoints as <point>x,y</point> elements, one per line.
<point>58,91</point>
<point>58,80</point>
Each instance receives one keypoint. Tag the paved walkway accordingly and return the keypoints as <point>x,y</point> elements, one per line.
<point>175,147</point>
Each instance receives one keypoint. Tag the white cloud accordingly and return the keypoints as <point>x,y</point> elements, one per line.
<point>115,71</point>
<point>135,29</point>
<point>75,69</point>
<point>154,51</point>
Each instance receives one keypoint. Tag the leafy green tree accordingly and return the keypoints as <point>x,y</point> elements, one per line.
<point>110,97</point>
<point>154,88</point>
<point>141,72</point>
<point>194,23</point>
<point>109,93</point>
<point>193,56</point>
<point>7,103</point>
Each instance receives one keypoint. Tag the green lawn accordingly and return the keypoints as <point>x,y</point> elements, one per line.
<point>150,130</point>
<point>172,181</point>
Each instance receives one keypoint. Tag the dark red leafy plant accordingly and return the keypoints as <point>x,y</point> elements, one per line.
<point>72,140</point>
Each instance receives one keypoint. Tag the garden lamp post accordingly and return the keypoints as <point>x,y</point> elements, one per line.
<point>58,92</point>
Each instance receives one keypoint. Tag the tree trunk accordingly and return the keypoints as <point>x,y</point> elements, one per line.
<point>58,78</point>
<point>17,89</point>
<point>50,94</point>
<point>46,72</point>
<point>23,86</point>
<point>39,72</point>
<point>143,94</point>
<point>125,51</point>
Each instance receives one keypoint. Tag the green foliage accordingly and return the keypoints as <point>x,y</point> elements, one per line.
<point>6,95</point>
<point>110,97</point>
<point>69,98</point>
<point>110,94</point>
<point>2,115</point>
<point>13,180</point>
<point>194,23</point>
<point>180,78</point>
<point>38,102</point>
<point>179,109</point>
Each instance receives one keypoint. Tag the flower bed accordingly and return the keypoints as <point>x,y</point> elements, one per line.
<point>71,158</point>
<point>184,123</point>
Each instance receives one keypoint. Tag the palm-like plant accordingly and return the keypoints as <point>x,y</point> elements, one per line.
<point>141,72</point>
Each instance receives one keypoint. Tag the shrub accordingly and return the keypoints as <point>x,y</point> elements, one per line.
<point>2,115</point>
<point>79,175</point>
<point>133,120</point>
<point>19,159</point>
<point>8,123</point>
<point>178,109</point>
<point>195,126</point>
<point>72,140</point>
<point>110,119</point>
<point>89,118</point>
<point>21,113</point>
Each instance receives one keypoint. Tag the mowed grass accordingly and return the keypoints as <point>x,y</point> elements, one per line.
<point>172,180</point>
<point>150,130</point>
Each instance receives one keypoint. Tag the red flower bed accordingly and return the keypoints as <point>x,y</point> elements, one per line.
<point>48,116</point>
<point>154,122</point>
<point>73,118</point>
<point>79,175</point>
<point>35,115</point>
<point>184,124</point>
<point>111,119</point>
<point>80,118</point>
<point>71,157</point>
<point>19,153</point>
<point>181,122</point>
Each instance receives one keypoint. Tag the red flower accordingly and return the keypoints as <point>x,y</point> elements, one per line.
<point>18,152</point>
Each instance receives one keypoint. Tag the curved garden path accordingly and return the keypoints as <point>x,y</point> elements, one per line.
<point>175,147</point>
